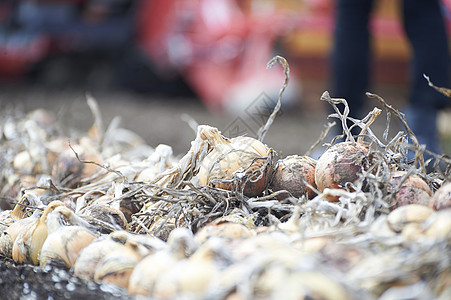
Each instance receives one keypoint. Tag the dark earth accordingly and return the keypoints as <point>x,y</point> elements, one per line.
<point>24,281</point>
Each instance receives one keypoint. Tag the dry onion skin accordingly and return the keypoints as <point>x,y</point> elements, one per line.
<point>341,164</point>
<point>414,190</point>
<point>228,157</point>
<point>441,198</point>
<point>295,174</point>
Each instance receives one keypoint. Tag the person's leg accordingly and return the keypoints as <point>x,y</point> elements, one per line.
<point>351,53</point>
<point>425,28</point>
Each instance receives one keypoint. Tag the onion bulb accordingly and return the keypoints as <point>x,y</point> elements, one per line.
<point>293,174</point>
<point>442,198</point>
<point>411,213</point>
<point>414,190</point>
<point>237,158</point>
<point>341,164</point>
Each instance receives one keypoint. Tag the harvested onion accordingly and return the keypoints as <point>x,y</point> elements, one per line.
<point>414,190</point>
<point>442,198</point>
<point>411,213</point>
<point>238,158</point>
<point>341,164</point>
<point>294,174</point>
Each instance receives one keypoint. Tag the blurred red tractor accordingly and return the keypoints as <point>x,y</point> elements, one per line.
<point>220,47</point>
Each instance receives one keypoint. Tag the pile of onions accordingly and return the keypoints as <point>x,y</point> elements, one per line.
<point>295,174</point>
<point>235,161</point>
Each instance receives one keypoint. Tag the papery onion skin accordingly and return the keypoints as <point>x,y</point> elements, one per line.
<point>341,164</point>
<point>292,173</point>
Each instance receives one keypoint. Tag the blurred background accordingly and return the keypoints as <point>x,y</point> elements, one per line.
<point>159,63</point>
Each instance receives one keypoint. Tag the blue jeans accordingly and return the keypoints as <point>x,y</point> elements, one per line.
<point>425,29</point>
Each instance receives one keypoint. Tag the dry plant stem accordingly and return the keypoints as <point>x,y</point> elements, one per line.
<point>209,197</point>
<point>363,124</point>
<point>190,121</point>
<point>374,114</point>
<point>169,215</point>
<point>442,158</point>
<point>269,197</point>
<point>444,91</point>
<point>142,225</point>
<point>124,179</point>
<point>387,126</point>
<point>402,118</point>
<point>321,138</point>
<point>395,141</point>
<point>342,116</point>
<point>263,130</point>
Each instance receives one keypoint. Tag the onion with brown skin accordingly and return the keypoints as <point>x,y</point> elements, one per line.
<point>232,158</point>
<point>441,198</point>
<point>341,164</point>
<point>293,174</point>
<point>414,190</point>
